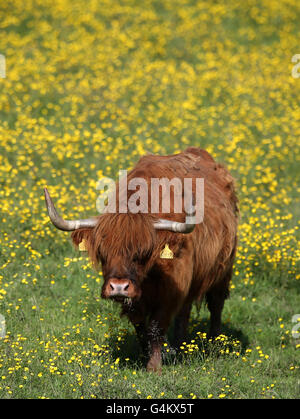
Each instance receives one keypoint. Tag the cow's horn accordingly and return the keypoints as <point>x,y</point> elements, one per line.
<point>65,225</point>
<point>186,227</point>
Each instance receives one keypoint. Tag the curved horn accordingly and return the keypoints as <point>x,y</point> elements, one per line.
<point>62,224</point>
<point>186,227</point>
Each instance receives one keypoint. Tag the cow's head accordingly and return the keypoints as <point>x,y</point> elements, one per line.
<point>122,243</point>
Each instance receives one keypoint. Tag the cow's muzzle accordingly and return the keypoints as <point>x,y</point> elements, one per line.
<point>118,289</point>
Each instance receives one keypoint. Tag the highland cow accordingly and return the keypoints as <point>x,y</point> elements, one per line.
<point>157,264</point>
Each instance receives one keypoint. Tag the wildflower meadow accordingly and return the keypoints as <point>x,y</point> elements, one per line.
<point>86,88</point>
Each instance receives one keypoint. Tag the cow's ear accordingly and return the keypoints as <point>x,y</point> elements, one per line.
<point>80,235</point>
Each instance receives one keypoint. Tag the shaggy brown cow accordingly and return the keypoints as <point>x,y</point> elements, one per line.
<point>152,289</point>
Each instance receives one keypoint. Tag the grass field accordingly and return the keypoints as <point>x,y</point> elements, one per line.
<point>92,85</point>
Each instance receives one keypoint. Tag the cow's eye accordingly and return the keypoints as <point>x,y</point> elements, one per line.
<point>140,259</point>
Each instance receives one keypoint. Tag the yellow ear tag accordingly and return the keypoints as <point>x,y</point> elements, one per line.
<point>166,253</point>
<point>82,246</point>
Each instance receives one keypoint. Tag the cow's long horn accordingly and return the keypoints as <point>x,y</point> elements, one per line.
<point>65,225</point>
<point>186,227</point>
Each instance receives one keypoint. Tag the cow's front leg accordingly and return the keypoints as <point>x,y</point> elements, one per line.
<point>155,336</point>
<point>157,329</point>
<point>137,318</point>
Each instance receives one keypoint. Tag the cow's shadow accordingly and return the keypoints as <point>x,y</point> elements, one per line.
<point>130,354</point>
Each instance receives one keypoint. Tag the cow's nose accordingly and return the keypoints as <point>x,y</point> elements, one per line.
<point>119,288</point>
